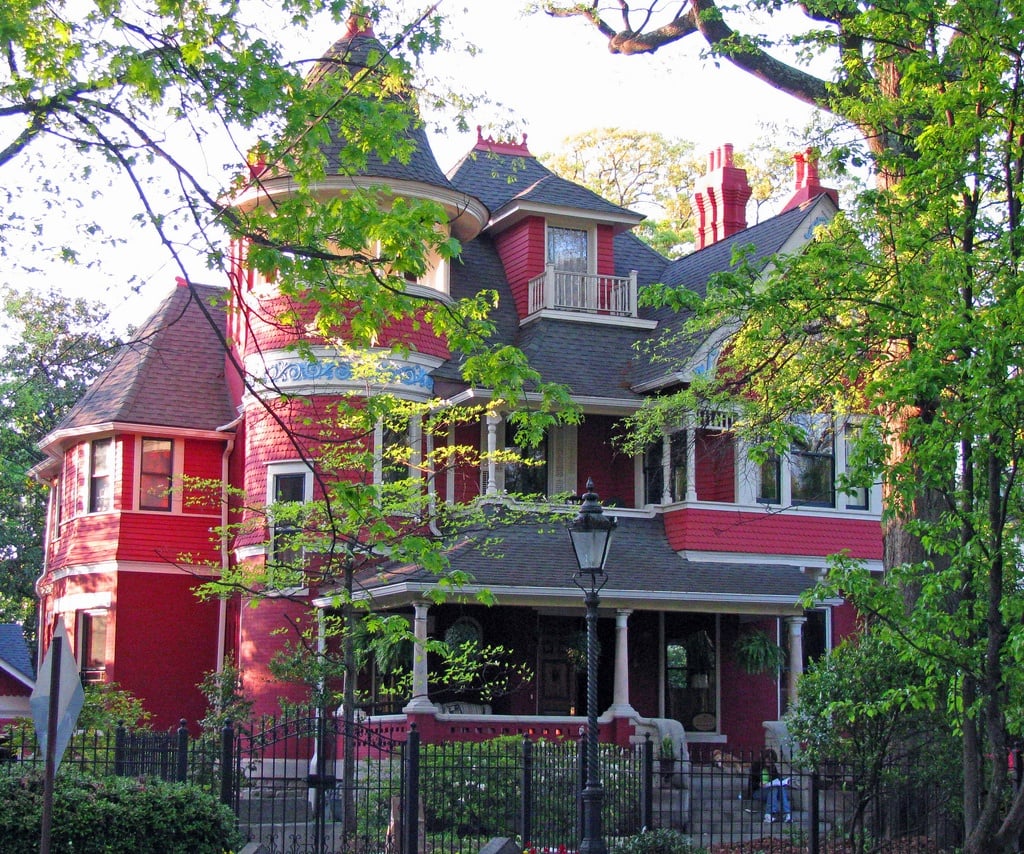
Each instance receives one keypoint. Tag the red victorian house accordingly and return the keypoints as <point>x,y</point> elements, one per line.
<point>709,546</point>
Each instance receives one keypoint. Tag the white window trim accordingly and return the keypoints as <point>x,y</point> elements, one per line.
<point>115,474</point>
<point>284,468</point>
<point>414,441</point>
<point>177,474</point>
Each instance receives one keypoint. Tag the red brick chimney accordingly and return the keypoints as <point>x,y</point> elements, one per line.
<point>720,198</point>
<point>806,184</point>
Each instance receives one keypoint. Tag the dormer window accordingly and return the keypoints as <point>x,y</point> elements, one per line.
<point>568,249</point>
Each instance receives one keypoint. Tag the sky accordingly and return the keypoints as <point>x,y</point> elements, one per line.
<point>554,76</point>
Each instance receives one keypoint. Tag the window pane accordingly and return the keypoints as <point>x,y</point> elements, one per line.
<point>101,493</point>
<point>769,488</point>
<point>157,470</point>
<point>812,471</point>
<point>93,645</point>
<point>653,474</point>
<point>290,487</point>
<point>394,454</point>
<point>857,499</point>
<point>678,455</point>
<point>567,249</point>
<point>529,477</point>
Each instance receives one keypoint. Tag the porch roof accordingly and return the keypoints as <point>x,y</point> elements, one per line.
<point>531,563</point>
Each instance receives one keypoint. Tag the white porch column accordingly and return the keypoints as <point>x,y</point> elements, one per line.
<point>796,655</point>
<point>691,458</point>
<point>420,701</point>
<point>620,695</point>
<point>666,468</point>
<point>493,420</point>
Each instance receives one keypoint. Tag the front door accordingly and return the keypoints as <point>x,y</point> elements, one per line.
<point>556,674</point>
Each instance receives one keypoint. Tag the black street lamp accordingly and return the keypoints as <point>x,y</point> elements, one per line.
<point>591,534</point>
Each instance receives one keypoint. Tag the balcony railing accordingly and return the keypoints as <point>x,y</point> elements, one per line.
<point>595,294</point>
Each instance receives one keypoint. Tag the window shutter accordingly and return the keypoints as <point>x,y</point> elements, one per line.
<point>562,459</point>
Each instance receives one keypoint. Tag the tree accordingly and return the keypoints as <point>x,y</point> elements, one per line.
<point>57,345</point>
<point>906,310</point>
<point>114,84</point>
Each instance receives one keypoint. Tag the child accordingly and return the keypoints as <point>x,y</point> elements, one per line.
<point>767,784</point>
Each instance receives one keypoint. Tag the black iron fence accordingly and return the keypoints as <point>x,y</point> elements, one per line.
<point>305,782</point>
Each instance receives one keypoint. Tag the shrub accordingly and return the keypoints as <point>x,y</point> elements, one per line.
<point>660,841</point>
<point>114,815</point>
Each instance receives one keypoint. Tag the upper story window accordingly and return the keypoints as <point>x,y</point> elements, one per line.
<point>857,497</point>
<point>289,483</point>
<point>156,469</point>
<point>813,462</point>
<point>665,462</point>
<point>395,450</point>
<point>770,482</point>
<point>546,469</point>
<point>528,474</point>
<point>568,249</point>
<point>101,476</point>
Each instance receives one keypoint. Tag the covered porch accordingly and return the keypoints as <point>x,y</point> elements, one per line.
<point>667,629</point>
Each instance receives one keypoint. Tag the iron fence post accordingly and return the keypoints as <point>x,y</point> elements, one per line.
<point>181,772</point>
<point>581,769</point>
<point>120,749</point>
<point>227,761</point>
<point>813,816</point>
<point>410,809</point>
<point>647,785</point>
<point>526,789</point>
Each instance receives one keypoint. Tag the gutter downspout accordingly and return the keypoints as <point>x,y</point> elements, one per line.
<point>222,616</point>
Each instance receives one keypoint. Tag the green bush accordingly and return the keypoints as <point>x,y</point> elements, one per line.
<point>473,789</point>
<point>113,815</point>
<point>660,841</point>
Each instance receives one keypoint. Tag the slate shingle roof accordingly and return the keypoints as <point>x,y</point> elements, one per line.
<point>362,51</point>
<point>171,373</point>
<point>693,272</point>
<point>497,179</point>
<point>536,555</point>
<point>14,651</point>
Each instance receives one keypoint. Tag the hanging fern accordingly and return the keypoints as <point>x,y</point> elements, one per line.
<point>757,653</point>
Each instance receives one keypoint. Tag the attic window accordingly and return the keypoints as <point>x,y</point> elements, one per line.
<point>568,249</point>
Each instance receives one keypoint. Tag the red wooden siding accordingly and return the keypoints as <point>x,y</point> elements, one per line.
<point>780,533</point>
<point>11,687</point>
<point>258,644</point>
<point>715,457</point>
<point>203,459</point>
<point>165,641</point>
<point>521,250</point>
<point>605,251</point>
<point>612,470</point>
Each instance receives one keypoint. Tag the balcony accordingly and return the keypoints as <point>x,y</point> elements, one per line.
<point>561,290</point>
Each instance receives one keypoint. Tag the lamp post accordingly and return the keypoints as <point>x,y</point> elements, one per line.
<point>591,534</point>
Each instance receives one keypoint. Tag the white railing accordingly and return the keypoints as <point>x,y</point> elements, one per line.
<point>596,294</point>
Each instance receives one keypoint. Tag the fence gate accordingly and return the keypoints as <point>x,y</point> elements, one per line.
<point>304,783</point>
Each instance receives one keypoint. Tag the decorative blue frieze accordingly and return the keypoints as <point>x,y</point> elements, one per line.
<point>291,372</point>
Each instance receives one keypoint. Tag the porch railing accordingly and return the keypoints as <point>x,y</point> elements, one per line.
<point>562,290</point>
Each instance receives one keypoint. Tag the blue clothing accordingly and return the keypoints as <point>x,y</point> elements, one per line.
<point>776,799</point>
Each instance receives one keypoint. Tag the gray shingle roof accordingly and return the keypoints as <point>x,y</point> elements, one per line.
<point>693,272</point>
<point>363,51</point>
<point>497,179</point>
<point>14,651</point>
<point>536,555</point>
<point>171,373</point>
